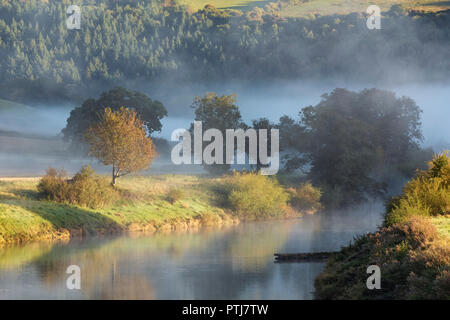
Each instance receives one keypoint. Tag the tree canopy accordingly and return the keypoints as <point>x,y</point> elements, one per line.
<point>92,110</point>
<point>119,139</point>
<point>149,40</point>
<point>217,112</point>
<point>351,140</point>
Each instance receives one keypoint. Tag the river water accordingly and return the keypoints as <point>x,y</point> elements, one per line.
<point>232,263</point>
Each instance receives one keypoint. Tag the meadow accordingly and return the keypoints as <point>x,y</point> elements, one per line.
<point>149,203</point>
<point>331,7</point>
<point>23,216</point>
<point>322,7</point>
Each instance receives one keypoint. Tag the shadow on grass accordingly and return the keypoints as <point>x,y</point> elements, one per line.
<point>78,221</point>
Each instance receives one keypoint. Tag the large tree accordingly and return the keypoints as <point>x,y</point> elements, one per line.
<point>91,111</point>
<point>220,113</point>
<point>352,142</point>
<point>120,140</point>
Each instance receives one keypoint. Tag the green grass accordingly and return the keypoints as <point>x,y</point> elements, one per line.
<point>143,203</point>
<point>412,248</point>
<point>330,7</point>
<point>23,217</point>
<point>443,225</point>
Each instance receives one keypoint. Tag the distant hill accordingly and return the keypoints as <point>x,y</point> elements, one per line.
<point>137,44</point>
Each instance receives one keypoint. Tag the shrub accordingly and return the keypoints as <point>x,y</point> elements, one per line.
<point>86,189</point>
<point>253,196</point>
<point>52,185</point>
<point>426,195</point>
<point>414,264</point>
<point>175,195</point>
<point>305,198</point>
<point>414,256</point>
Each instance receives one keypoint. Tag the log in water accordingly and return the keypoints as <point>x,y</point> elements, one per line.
<point>302,257</point>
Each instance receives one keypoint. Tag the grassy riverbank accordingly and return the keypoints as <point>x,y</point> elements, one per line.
<point>412,249</point>
<point>152,203</point>
<point>24,217</point>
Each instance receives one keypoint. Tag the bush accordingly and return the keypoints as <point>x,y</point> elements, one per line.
<point>86,189</point>
<point>52,185</point>
<point>414,264</point>
<point>175,195</point>
<point>305,198</point>
<point>414,256</point>
<point>254,196</point>
<point>425,195</point>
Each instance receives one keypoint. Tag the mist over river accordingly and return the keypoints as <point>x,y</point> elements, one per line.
<point>26,157</point>
<point>231,263</point>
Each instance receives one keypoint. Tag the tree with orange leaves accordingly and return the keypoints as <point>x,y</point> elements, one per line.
<point>120,139</point>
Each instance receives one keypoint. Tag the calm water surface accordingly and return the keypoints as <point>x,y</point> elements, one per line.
<point>233,263</point>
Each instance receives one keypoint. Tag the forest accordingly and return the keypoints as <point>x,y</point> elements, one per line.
<point>136,147</point>
<point>132,41</point>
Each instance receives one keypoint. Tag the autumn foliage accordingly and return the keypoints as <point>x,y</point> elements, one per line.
<point>120,140</point>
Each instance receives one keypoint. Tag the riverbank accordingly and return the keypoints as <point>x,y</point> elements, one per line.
<point>148,207</point>
<point>24,217</point>
<point>412,248</point>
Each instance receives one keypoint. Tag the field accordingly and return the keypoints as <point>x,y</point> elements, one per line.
<point>330,7</point>
<point>23,217</point>
<point>322,7</point>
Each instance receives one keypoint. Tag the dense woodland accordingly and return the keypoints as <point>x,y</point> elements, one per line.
<point>148,41</point>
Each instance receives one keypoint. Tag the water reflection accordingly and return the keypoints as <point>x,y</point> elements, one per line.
<point>234,263</point>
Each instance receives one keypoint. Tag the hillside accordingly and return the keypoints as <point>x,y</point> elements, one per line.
<point>301,8</point>
<point>151,42</point>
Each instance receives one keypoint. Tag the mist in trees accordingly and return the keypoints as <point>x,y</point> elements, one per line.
<point>353,143</point>
<point>122,41</point>
<point>92,110</point>
<point>217,112</point>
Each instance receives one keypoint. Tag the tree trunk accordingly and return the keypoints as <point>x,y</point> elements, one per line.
<point>113,182</point>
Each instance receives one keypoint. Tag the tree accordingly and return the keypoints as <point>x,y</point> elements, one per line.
<point>217,113</point>
<point>120,140</point>
<point>265,124</point>
<point>91,111</point>
<point>352,142</point>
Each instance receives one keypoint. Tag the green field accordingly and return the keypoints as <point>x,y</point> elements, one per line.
<point>330,7</point>
<point>322,7</point>
<point>23,217</point>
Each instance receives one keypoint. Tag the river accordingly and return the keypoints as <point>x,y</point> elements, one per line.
<point>231,263</point>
